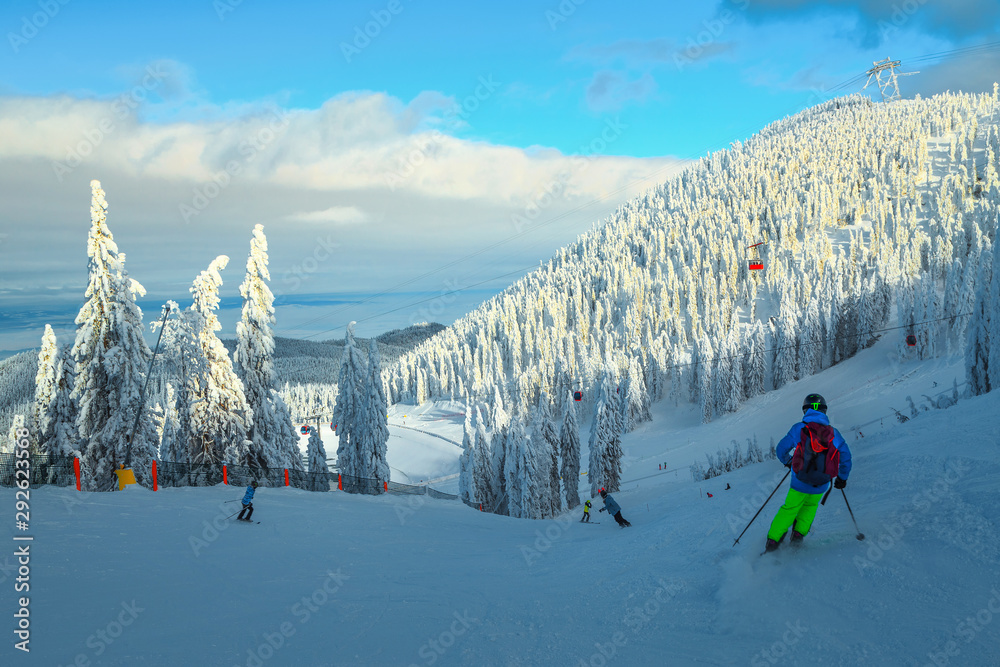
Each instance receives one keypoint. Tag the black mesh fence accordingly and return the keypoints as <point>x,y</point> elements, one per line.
<point>60,471</point>
<point>40,469</point>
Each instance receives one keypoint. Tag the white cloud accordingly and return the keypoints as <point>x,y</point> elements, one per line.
<point>356,195</point>
<point>342,215</point>
<point>356,141</point>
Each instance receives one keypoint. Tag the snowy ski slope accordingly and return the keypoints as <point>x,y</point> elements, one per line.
<point>331,579</point>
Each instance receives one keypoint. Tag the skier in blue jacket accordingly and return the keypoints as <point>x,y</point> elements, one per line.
<point>613,508</point>
<point>809,483</point>
<point>248,502</point>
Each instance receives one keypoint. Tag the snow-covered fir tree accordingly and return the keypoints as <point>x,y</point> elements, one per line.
<point>605,467</point>
<point>533,462</point>
<point>569,449</point>
<point>10,442</point>
<point>515,446</point>
<point>484,486</point>
<point>318,468</point>
<point>111,357</point>
<point>220,416</point>
<point>498,450</point>
<point>184,361</point>
<point>992,299</point>
<point>272,433</point>
<point>978,373</point>
<point>61,436</point>
<point>45,388</point>
<point>466,475</point>
<point>173,447</point>
<point>638,396</point>
<point>373,436</point>
<point>350,407</point>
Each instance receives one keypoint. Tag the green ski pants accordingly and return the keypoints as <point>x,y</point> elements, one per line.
<point>799,509</point>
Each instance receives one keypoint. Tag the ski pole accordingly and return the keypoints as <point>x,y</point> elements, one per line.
<point>762,506</point>
<point>860,535</point>
<point>236,512</point>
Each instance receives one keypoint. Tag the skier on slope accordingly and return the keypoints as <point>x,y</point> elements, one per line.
<point>613,508</point>
<point>586,512</point>
<point>248,502</point>
<point>816,453</point>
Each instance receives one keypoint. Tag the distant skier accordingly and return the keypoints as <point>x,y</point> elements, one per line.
<point>248,502</point>
<point>586,512</point>
<point>816,453</point>
<point>613,508</point>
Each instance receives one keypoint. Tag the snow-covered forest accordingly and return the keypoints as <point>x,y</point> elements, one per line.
<point>855,211</point>
<point>861,209</point>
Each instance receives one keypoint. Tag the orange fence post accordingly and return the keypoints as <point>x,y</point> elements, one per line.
<point>154,475</point>
<point>76,469</point>
<point>286,476</point>
<point>340,482</point>
<point>386,486</point>
<point>225,474</point>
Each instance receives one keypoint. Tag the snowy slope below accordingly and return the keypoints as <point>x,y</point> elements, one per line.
<point>347,580</point>
<point>422,444</point>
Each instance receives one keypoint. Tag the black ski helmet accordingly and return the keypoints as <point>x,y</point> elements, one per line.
<point>604,494</point>
<point>254,484</point>
<point>814,401</point>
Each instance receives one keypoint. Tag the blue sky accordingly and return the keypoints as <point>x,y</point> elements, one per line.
<point>388,155</point>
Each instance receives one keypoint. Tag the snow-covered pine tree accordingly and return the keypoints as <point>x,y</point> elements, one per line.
<point>350,405</point>
<point>45,389</point>
<point>977,352</point>
<point>513,446</point>
<point>544,428</point>
<point>374,435</point>
<point>786,344</point>
<point>220,416</point>
<point>534,460</point>
<point>569,448</point>
<point>706,379</point>
<point>755,369</point>
<point>111,357</point>
<point>466,475</point>
<point>992,299</point>
<point>810,341</point>
<point>318,469</point>
<point>183,360</point>
<point>638,396</point>
<point>272,433</point>
<point>484,486</point>
<point>173,447</point>
<point>61,436</point>
<point>498,462</point>
<point>605,469</point>
<point>9,443</point>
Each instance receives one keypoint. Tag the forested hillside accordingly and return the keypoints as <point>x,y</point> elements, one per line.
<point>860,207</point>
<point>17,389</point>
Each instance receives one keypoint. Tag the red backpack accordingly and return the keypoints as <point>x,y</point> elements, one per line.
<point>816,460</point>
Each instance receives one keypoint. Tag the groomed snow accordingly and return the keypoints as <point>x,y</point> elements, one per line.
<point>396,580</point>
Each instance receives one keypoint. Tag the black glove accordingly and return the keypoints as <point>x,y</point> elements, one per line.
<point>602,509</point>
<point>789,464</point>
<point>839,483</point>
